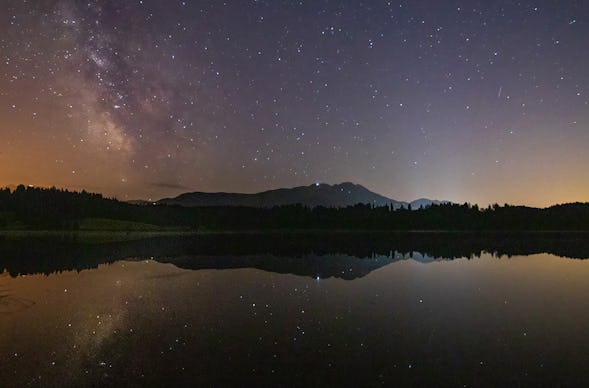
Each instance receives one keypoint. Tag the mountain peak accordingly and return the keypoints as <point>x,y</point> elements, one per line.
<point>336,185</point>
<point>317,194</point>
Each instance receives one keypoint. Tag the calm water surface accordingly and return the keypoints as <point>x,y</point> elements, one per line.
<point>405,319</point>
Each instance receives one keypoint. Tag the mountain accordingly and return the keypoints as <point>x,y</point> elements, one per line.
<point>320,194</point>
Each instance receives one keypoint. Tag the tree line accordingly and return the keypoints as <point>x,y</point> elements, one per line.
<point>52,208</point>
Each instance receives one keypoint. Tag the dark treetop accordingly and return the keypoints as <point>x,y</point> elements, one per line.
<point>36,208</point>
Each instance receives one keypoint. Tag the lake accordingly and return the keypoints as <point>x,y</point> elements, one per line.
<point>422,309</point>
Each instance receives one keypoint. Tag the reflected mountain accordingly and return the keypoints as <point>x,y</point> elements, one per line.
<point>340,255</point>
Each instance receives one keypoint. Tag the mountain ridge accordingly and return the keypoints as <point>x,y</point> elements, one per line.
<point>319,194</point>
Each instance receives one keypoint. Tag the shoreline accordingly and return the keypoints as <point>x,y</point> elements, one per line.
<point>123,235</point>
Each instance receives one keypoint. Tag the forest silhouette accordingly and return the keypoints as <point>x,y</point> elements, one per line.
<point>58,209</point>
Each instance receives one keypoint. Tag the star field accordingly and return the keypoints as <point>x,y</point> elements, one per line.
<point>459,100</point>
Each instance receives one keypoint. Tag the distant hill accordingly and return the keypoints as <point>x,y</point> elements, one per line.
<point>338,195</point>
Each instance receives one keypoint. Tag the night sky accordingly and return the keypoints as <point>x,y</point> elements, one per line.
<point>479,101</point>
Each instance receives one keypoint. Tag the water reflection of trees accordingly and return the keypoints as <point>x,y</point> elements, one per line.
<point>344,255</point>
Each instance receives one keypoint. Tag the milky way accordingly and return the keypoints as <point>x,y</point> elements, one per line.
<point>462,100</point>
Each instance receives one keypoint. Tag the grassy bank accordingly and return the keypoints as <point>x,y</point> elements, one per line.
<point>92,236</point>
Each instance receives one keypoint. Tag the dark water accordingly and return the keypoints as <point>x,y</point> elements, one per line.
<point>308,310</point>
